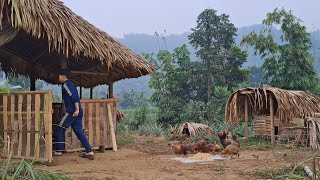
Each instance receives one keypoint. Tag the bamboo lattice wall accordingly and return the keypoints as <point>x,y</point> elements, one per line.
<point>95,124</point>
<point>26,122</point>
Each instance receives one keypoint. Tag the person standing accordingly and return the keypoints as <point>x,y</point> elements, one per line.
<point>73,116</point>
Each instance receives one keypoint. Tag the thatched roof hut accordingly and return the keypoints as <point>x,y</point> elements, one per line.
<point>37,36</point>
<point>274,108</point>
<point>288,103</point>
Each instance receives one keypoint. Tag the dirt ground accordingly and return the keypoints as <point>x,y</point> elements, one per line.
<point>147,158</point>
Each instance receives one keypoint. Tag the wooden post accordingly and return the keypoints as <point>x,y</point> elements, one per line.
<point>91,94</point>
<point>272,120</point>
<point>32,83</point>
<point>80,92</point>
<point>111,90</point>
<point>246,118</point>
<point>112,132</point>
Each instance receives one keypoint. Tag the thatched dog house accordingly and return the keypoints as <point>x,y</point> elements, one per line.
<point>38,37</point>
<point>272,108</point>
<point>192,129</point>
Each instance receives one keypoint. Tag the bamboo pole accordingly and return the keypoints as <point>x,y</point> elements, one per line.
<point>246,118</point>
<point>272,120</point>
<point>113,135</point>
<point>110,90</point>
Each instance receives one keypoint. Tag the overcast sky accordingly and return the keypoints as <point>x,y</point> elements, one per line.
<point>119,17</point>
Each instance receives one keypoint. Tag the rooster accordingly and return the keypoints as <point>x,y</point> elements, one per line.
<point>226,138</point>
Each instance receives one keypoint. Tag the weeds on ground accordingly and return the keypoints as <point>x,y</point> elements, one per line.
<point>283,173</point>
<point>10,169</point>
<point>255,143</point>
<point>124,138</point>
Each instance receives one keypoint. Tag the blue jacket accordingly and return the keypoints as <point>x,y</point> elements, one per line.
<point>70,96</point>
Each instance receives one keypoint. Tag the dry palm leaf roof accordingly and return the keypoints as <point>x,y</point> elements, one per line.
<point>40,34</point>
<point>288,104</point>
<point>193,128</point>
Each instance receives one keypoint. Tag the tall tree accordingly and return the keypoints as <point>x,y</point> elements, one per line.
<point>288,64</point>
<point>213,35</point>
<point>220,60</point>
<point>170,83</point>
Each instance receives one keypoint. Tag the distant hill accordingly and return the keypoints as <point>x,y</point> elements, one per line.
<point>152,44</point>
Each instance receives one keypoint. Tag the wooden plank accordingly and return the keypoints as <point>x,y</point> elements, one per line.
<point>272,120</point>
<point>48,126</point>
<point>98,100</point>
<point>104,124</point>
<point>98,124</point>
<point>28,147</point>
<point>113,135</point>
<point>36,126</point>
<point>13,127</point>
<point>90,128</point>
<point>20,124</point>
<point>29,92</point>
<point>5,122</point>
<point>246,118</point>
<point>24,113</point>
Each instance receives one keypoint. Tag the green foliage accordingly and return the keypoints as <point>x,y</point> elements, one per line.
<point>256,76</point>
<point>170,82</point>
<point>24,82</point>
<point>288,64</point>
<point>220,59</point>
<point>154,129</point>
<point>27,170</point>
<point>211,138</point>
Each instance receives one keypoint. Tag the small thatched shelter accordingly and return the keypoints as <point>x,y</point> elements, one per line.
<point>192,129</point>
<point>277,107</point>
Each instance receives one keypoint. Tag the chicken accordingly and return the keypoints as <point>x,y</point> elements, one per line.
<point>186,149</point>
<point>175,148</point>
<point>209,148</point>
<point>231,150</point>
<point>217,148</point>
<point>226,138</point>
<point>196,147</point>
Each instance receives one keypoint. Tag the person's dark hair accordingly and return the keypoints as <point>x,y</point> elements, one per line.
<point>65,72</point>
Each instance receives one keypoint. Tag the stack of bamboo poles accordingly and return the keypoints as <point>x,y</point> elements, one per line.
<point>314,132</point>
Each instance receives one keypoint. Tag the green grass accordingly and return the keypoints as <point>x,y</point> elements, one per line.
<point>283,173</point>
<point>27,170</point>
<point>124,138</point>
<point>255,143</point>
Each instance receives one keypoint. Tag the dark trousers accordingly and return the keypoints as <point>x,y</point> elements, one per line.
<point>76,125</point>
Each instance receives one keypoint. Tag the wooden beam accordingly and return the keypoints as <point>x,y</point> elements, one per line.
<point>246,118</point>
<point>110,90</point>
<point>64,63</point>
<point>272,120</point>
<point>90,73</point>
<point>38,56</point>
